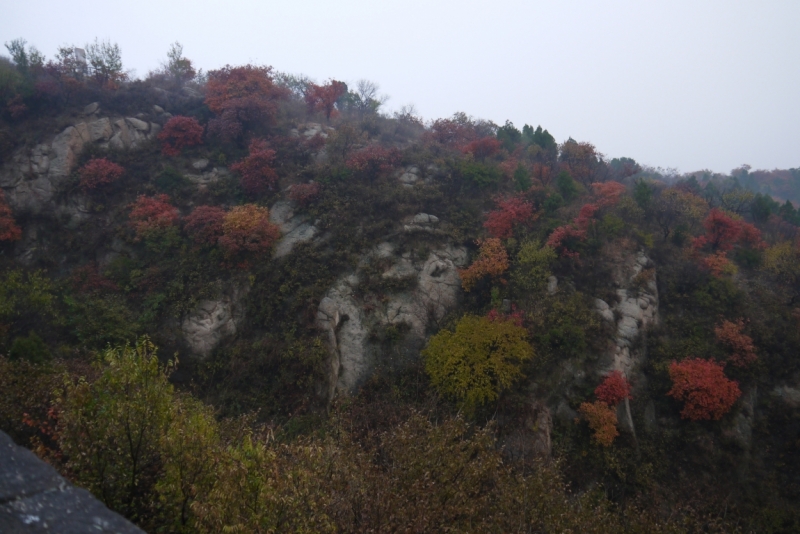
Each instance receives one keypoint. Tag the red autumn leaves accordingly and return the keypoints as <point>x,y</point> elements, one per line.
<point>243,229</point>
<point>601,414</point>
<point>178,133</point>
<point>704,389</point>
<point>9,231</point>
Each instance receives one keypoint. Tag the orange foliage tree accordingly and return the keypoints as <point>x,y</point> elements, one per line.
<point>730,334</point>
<point>151,214</point>
<point>240,97</point>
<point>247,229</point>
<point>703,387</point>
<point>492,261</point>
<point>99,171</point>
<point>256,169</point>
<point>602,419</point>
<point>180,132</point>
<point>9,231</point>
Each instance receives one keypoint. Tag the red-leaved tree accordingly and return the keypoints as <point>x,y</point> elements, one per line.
<point>515,316</point>
<point>730,334</point>
<point>152,214</point>
<point>323,98</point>
<point>257,174</point>
<point>608,193</point>
<point>9,231</point>
<point>510,212</point>
<point>240,97</point>
<point>563,240</point>
<point>99,171</point>
<point>722,232</point>
<point>704,389</point>
<point>585,215</point>
<point>247,229</point>
<point>304,194</point>
<point>614,389</point>
<point>204,224</point>
<point>483,148</point>
<point>180,132</point>
<point>373,159</point>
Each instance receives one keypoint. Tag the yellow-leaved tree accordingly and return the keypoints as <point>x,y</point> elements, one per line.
<point>478,361</point>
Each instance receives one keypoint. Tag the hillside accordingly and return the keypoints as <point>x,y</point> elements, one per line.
<point>244,300</point>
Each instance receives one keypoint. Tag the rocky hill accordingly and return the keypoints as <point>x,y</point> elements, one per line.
<point>342,298</point>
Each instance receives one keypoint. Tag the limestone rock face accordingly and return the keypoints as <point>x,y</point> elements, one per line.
<point>789,395</point>
<point>347,321</point>
<point>422,222</point>
<point>295,228</point>
<point>213,321</point>
<point>31,177</point>
<point>208,177</point>
<point>637,309</point>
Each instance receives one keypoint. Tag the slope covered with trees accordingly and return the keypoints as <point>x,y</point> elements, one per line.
<point>241,300</point>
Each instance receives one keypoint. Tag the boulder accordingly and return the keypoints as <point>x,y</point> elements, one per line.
<point>200,164</point>
<point>212,321</point>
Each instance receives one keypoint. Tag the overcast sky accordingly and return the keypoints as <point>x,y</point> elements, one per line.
<point>686,84</point>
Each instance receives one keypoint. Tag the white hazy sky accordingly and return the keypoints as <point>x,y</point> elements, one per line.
<point>686,84</point>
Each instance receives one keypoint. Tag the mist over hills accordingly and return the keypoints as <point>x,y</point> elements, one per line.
<point>243,300</point>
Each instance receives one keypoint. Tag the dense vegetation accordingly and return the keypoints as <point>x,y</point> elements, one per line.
<point>515,415</point>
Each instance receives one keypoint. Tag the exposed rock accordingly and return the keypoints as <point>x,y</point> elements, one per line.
<point>740,430</point>
<point>565,413</point>
<point>787,394</point>
<point>294,228</point>
<point>31,177</point>
<point>212,321</point>
<point>342,317</point>
<point>604,310</point>
<point>422,222</point>
<point>531,436</point>
<point>424,218</point>
<point>138,124</point>
<point>637,309</point>
<point>409,176</point>
<point>158,109</point>
<point>91,108</point>
<point>311,129</point>
<point>206,178</point>
<point>200,164</point>
<point>552,285</point>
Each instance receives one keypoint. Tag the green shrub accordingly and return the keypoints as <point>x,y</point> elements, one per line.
<point>170,181</point>
<point>31,348</point>
<point>479,174</point>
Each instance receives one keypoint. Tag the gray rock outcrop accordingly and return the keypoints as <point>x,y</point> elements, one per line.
<point>342,316</point>
<point>212,321</point>
<point>295,228</point>
<point>31,177</point>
